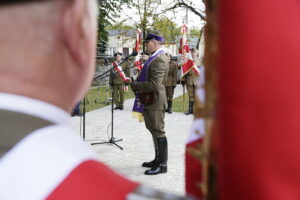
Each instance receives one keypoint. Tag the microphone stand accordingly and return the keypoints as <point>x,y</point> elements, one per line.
<point>105,74</point>
<point>111,140</point>
<point>83,123</point>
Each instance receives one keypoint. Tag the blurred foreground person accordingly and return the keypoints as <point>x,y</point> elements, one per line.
<point>47,61</point>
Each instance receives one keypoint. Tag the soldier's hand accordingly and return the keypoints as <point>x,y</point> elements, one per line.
<point>127,81</point>
<point>132,85</point>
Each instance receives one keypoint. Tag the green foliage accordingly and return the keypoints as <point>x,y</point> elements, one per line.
<point>178,104</point>
<point>108,11</point>
<point>120,26</point>
<point>97,98</point>
<point>194,32</point>
<point>166,27</point>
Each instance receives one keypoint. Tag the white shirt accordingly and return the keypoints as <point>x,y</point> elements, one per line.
<point>41,160</point>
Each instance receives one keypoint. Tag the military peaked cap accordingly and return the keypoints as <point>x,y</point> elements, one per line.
<point>154,37</point>
<point>118,54</point>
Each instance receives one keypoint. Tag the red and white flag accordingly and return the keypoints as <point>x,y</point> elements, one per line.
<point>121,72</point>
<point>184,49</point>
<point>138,40</point>
<point>138,64</point>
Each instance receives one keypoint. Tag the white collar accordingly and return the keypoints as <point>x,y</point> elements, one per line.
<point>40,162</point>
<point>35,108</point>
<point>157,51</point>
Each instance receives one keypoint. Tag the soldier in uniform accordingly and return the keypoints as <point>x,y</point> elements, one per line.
<point>191,79</point>
<point>117,79</point>
<point>171,81</point>
<point>150,85</point>
<point>139,64</point>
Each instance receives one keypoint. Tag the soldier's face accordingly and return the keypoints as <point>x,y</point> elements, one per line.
<point>118,58</point>
<point>150,46</point>
<point>194,54</point>
<point>145,57</point>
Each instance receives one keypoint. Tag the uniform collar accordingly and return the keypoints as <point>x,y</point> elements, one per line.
<point>34,107</point>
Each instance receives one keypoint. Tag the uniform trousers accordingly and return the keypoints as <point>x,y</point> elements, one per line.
<point>155,123</point>
<point>170,92</point>
<point>119,94</point>
<point>191,92</point>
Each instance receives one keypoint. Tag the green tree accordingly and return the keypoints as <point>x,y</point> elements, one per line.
<point>166,27</point>
<point>147,10</point>
<point>120,26</point>
<point>108,11</point>
<point>194,32</point>
<point>188,4</point>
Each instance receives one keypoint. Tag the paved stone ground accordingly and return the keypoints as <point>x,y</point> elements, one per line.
<point>137,144</point>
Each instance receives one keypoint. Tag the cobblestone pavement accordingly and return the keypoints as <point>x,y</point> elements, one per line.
<point>137,144</point>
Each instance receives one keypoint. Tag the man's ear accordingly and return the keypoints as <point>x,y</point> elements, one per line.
<point>74,30</point>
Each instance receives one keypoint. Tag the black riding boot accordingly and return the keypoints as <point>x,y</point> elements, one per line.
<point>161,166</point>
<point>190,111</point>
<point>169,107</point>
<point>155,161</point>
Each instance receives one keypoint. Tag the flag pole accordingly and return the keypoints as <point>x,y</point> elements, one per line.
<point>183,97</point>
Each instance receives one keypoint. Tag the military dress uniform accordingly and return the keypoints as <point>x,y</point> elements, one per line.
<point>118,85</point>
<point>154,113</point>
<point>170,84</point>
<point>191,79</point>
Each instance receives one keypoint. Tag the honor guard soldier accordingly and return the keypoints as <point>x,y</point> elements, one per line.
<point>171,81</point>
<point>151,92</point>
<point>117,79</point>
<point>139,64</point>
<point>191,79</point>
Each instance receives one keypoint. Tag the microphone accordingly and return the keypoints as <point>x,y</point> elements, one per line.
<point>134,53</point>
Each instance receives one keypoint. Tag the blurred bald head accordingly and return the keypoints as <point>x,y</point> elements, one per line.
<point>47,49</point>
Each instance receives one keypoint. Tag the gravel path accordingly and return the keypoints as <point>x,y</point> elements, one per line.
<point>137,144</point>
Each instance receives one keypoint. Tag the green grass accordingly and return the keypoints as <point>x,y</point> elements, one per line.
<point>178,104</point>
<point>97,98</point>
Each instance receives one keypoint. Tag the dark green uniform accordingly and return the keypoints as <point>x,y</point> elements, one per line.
<point>171,80</point>
<point>154,114</point>
<point>117,84</point>
<point>191,80</point>
<point>170,84</point>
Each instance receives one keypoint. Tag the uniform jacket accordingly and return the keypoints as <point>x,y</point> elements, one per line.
<point>172,74</point>
<point>191,78</point>
<point>156,76</point>
<point>115,77</point>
